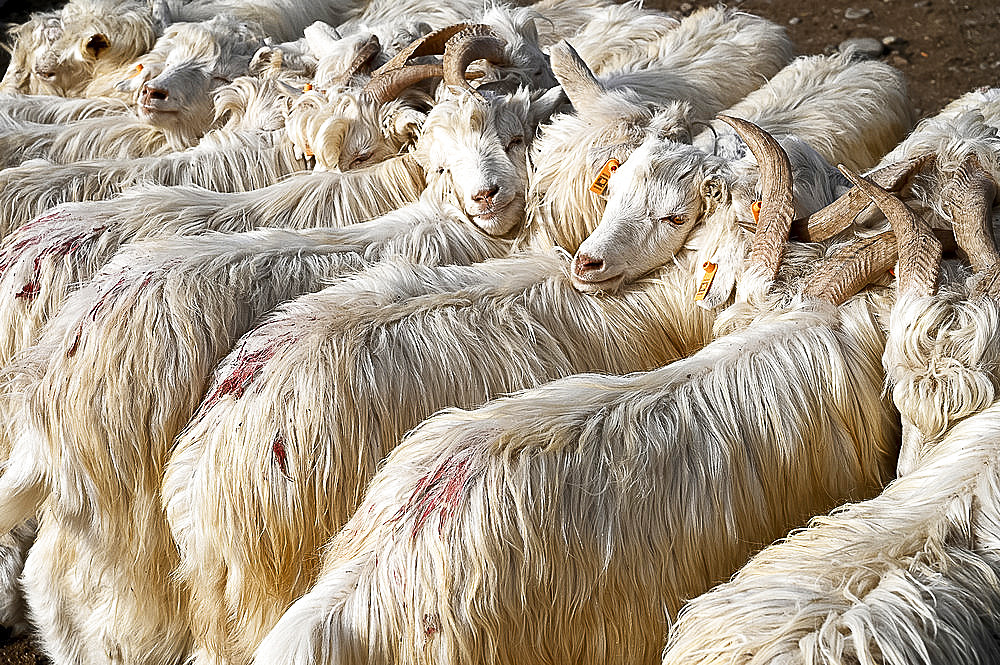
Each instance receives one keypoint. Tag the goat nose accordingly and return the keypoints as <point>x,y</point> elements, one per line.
<point>486,195</point>
<point>585,263</point>
<point>152,92</point>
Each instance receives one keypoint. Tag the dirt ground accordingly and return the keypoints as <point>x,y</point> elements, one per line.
<point>944,47</point>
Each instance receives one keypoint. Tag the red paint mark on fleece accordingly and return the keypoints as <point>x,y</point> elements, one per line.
<point>439,491</point>
<point>65,247</point>
<point>248,366</point>
<point>280,454</point>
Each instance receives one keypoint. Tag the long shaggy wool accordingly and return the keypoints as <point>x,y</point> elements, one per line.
<point>59,110</point>
<point>301,413</point>
<point>568,523</point>
<point>911,577</point>
<point>13,549</point>
<point>100,453</point>
<point>102,137</point>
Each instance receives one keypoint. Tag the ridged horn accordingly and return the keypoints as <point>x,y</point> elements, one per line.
<point>477,42</point>
<point>364,55</point>
<point>840,214</point>
<point>968,196</point>
<point>777,207</point>
<point>432,43</point>
<point>919,250</point>
<point>387,86</point>
<point>852,268</point>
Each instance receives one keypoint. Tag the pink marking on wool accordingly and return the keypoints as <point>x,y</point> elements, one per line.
<point>66,247</point>
<point>248,366</point>
<point>439,491</point>
<point>280,454</point>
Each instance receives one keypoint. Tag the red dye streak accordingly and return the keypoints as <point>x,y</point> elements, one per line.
<point>247,368</point>
<point>64,248</point>
<point>280,454</point>
<point>439,491</point>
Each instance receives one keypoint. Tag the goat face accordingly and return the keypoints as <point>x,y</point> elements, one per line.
<point>655,200</point>
<point>474,148</point>
<point>175,81</point>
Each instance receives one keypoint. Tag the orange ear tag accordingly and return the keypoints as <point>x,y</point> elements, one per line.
<point>601,182</point>
<point>138,67</point>
<point>755,207</point>
<point>706,280</point>
<point>307,87</point>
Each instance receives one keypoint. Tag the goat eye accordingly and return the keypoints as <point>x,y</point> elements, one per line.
<point>676,220</point>
<point>514,142</point>
<point>361,159</point>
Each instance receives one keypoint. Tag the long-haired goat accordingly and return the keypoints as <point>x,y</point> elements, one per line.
<point>569,522</point>
<point>396,310</point>
<point>613,112</point>
<point>912,576</point>
<point>424,231</point>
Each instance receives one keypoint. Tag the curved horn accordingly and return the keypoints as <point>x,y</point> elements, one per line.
<point>364,55</point>
<point>387,86</point>
<point>840,214</point>
<point>777,208</point>
<point>969,198</point>
<point>573,74</point>
<point>433,43</point>
<point>852,268</point>
<point>478,42</point>
<point>919,250</point>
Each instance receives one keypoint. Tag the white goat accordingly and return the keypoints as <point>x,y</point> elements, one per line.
<point>693,201</point>
<point>81,49</point>
<point>913,576</point>
<point>426,231</point>
<point>613,113</point>
<point>398,309</point>
<point>569,522</point>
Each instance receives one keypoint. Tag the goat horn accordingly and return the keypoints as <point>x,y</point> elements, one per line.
<point>919,250</point>
<point>387,86</point>
<point>969,198</point>
<point>432,43</point>
<point>364,55</point>
<point>477,42</point>
<point>777,208</point>
<point>852,267</point>
<point>573,74</point>
<point>839,215</point>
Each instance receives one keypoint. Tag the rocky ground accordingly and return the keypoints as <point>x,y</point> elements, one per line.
<point>944,47</point>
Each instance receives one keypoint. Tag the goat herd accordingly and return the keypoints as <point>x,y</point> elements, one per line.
<point>299,367</point>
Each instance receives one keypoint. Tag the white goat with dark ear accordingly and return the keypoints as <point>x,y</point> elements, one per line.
<point>613,112</point>
<point>630,492</point>
<point>912,576</point>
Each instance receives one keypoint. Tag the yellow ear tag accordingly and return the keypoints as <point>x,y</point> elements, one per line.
<point>309,151</point>
<point>755,207</point>
<point>706,280</point>
<point>307,87</point>
<point>601,182</point>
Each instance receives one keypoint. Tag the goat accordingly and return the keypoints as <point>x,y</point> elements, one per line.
<point>613,112</point>
<point>912,576</point>
<point>412,231</point>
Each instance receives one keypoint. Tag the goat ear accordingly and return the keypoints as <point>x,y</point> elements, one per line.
<point>97,44</point>
<point>161,15</point>
<point>580,84</point>
<point>714,192</point>
<point>407,123</point>
<point>543,106</point>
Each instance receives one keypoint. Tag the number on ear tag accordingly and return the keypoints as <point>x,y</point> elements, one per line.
<point>706,280</point>
<point>601,181</point>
